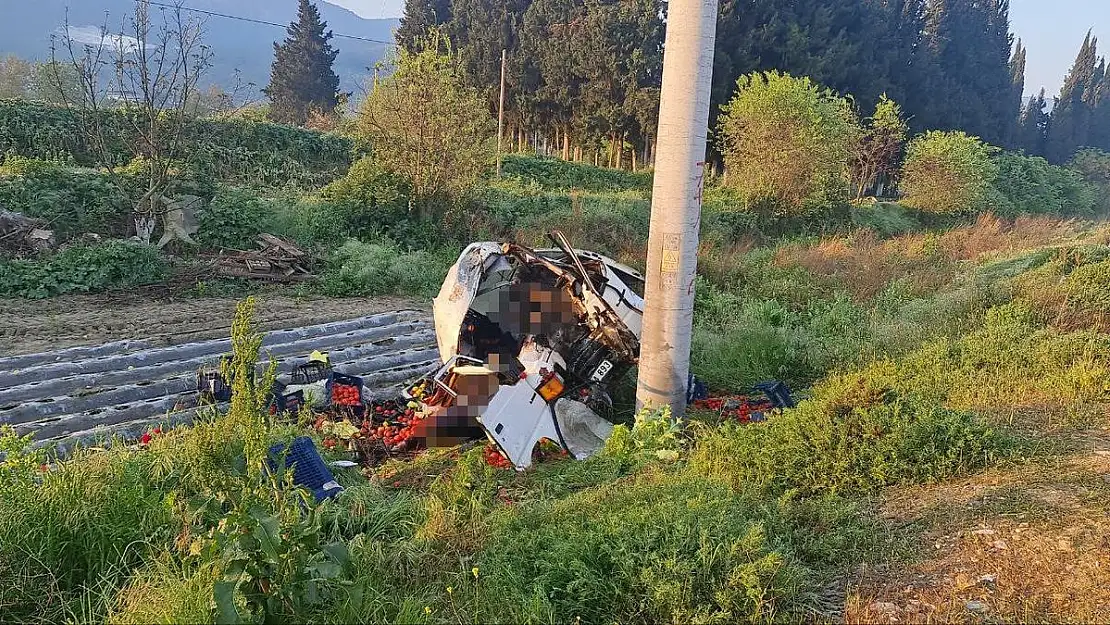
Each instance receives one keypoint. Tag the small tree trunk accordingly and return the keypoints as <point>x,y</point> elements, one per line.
<point>633,150</point>
<point>566,144</point>
<point>620,152</point>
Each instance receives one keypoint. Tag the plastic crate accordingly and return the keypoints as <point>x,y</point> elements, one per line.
<point>339,379</point>
<point>212,386</point>
<point>309,373</point>
<point>284,402</point>
<point>309,469</point>
<point>777,392</point>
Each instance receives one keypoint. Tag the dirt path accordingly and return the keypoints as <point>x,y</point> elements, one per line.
<point>35,326</point>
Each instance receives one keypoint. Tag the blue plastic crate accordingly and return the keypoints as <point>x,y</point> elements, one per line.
<point>309,469</point>
<point>777,392</point>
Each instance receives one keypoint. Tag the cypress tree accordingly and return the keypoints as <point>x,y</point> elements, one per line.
<point>1017,92</point>
<point>419,18</point>
<point>1033,125</point>
<point>1070,123</point>
<point>969,83</point>
<point>302,79</point>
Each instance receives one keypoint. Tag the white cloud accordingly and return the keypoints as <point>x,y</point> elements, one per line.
<point>91,35</point>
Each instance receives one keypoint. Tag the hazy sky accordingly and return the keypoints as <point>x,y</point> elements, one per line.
<point>1051,29</point>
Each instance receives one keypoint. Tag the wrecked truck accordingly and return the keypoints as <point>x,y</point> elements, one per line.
<point>532,341</point>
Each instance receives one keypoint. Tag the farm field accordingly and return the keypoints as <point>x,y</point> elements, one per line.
<point>29,326</point>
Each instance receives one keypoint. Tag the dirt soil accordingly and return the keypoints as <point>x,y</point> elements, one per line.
<point>1026,543</point>
<point>28,326</point>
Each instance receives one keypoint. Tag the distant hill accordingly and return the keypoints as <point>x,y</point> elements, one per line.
<point>26,28</point>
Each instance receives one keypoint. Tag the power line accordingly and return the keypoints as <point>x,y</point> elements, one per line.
<point>254,21</point>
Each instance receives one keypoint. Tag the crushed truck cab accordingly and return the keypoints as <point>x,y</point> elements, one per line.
<point>532,342</point>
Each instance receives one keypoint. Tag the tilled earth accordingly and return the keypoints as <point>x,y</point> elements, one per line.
<point>29,326</point>
<point>81,369</point>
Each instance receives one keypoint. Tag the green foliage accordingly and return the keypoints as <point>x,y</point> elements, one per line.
<point>233,150</point>
<point>650,550</point>
<point>453,147</point>
<point>553,174</point>
<point>887,218</point>
<point>948,173</point>
<point>361,269</point>
<point>1094,166</point>
<point>83,269</point>
<point>876,156</point>
<point>72,201</point>
<point>741,338</point>
<point>74,533</point>
<point>856,434</point>
<point>786,143</point>
<point>233,219</point>
<point>371,201</point>
<point>1029,185</point>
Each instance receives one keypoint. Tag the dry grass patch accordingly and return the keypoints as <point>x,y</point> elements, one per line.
<point>865,264</point>
<point>1028,544</point>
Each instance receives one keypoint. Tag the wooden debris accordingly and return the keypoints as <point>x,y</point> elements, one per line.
<point>23,236</point>
<point>276,260</point>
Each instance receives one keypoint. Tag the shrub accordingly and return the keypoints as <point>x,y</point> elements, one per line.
<point>554,174</point>
<point>372,201</point>
<point>83,269</point>
<point>1031,185</point>
<point>786,143</point>
<point>426,125</point>
<point>1094,166</point>
<point>877,153</point>
<point>233,219</point>
<point>948,173</point>
<point>857,434</point>
<point>72,201</point>
<point>360,269</point>
<point>649,550</point>
<point>236,150</point>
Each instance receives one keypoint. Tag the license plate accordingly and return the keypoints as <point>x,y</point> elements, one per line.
<point>602,370</point>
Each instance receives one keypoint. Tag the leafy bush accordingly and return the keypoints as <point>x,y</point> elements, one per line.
<point>1031,185</point>
<point>361,269</point>
<point>857,434</point>
<point>233,219</point>
<point>1094,166</point>
<point>426,125</point>
<point>786,143</point>
<point>73,201</point>
<point>948,173</point>
<point>553,174</point>
<point>83,269</point>
<point>236,150</point>
<point>651,550</point>
<point>371,201</point>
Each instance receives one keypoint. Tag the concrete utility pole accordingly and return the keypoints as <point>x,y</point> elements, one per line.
<point>676,204</point>
<point>501,110</point>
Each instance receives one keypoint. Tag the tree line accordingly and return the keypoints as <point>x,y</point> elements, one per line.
<point>585,74</point>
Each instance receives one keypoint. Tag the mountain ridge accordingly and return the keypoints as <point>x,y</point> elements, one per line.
<point>242,50</point>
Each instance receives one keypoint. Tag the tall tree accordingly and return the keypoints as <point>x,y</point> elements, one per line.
<point>419,18</point>
<point>1033,125</point>
<point>1071,116</point>
<point>1017,93</point>
<point>302,79</point>
<point>969,84</point>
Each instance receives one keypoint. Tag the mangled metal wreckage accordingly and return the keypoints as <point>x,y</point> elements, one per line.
<point>531,343</point>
